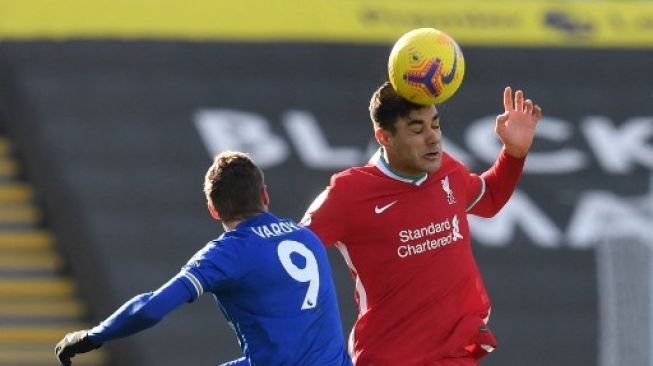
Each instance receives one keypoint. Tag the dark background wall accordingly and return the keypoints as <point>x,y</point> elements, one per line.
<point>117,136</point>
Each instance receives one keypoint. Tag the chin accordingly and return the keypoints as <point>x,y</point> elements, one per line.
<point>432,166</point>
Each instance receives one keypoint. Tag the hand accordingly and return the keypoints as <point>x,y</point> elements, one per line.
<point>516,126</point>
<point>72,344</point>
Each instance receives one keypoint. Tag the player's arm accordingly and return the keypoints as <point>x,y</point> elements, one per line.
<point>490,191</point>
<point>516,130</point>
<point>137,314</point>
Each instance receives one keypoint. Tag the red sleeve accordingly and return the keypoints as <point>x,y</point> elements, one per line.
<point>327,214</point>
<point>496,185</point>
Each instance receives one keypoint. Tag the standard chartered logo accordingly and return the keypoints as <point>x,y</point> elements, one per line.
<point>430,237</point>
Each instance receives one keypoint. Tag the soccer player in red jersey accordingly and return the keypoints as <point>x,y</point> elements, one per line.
<point>400,222</point>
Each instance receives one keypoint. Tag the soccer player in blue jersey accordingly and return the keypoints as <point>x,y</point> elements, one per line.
<point>270,277</point>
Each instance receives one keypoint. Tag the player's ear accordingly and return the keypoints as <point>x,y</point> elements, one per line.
<point>214,213</point>
<point>382,136</point>
<point>265,197</point>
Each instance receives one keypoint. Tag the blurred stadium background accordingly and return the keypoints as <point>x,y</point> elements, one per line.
<point>110,112</point>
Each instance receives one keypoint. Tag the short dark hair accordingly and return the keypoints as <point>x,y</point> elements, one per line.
<point>233,185</point>
<point>386,107</point>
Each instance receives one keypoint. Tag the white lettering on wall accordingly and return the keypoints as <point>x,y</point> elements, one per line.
<point>481,139</point>
<point>311,144</point>
<point>616,148</point>
<point>597,215</point>
<point>225,129</point>
<point>620,148</point>
<point>601,214</point>
<point>519,213</point>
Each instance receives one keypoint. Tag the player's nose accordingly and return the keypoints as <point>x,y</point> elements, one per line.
<point>433,136</point>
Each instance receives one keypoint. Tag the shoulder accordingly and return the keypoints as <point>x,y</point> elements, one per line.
<point>217,248</point>
<point>348,184</point>
<point>451,166</point>
<point>353,177</point>
<point>451,163</point>
<point>345,176</point>
<point>343,187</point>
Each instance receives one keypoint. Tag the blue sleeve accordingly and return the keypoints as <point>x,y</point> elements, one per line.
<point>217,266</point>
<point>143,311</point>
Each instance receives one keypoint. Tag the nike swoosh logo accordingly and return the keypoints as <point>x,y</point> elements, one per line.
<point>378,209</point>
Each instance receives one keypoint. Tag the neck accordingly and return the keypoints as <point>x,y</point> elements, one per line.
<point>231,224</point>
<point>387,161</point>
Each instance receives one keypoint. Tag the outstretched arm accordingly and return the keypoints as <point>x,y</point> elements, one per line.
<point>137,314</point>
<point>515,127</point>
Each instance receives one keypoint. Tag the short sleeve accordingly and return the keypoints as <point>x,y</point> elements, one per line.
<point>215,267</point>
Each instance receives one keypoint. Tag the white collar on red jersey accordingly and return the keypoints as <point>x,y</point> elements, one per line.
<point>379,161</point>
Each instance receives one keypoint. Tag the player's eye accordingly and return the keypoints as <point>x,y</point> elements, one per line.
<point>417,130</point>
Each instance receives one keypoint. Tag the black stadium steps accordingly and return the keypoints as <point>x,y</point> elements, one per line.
<point>39,305</point>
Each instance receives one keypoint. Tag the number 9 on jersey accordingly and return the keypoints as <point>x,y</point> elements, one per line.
<point>309,273</point>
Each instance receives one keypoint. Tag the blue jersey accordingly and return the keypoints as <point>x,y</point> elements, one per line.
<point>272,281</point>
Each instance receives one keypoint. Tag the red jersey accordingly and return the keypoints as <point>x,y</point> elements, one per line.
<point>406,241</point>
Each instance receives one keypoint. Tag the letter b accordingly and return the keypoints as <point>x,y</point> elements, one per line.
<point>225,129</point>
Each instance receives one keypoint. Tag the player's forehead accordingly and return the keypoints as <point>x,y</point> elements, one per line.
<point>425,114</point>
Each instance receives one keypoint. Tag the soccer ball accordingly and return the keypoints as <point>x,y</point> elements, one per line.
<point>426,66</point>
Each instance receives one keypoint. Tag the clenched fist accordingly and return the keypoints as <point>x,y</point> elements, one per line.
<point>72,344</point>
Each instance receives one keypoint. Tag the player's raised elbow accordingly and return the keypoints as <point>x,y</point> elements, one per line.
<point>483,214</point>
<point>486,208</point>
